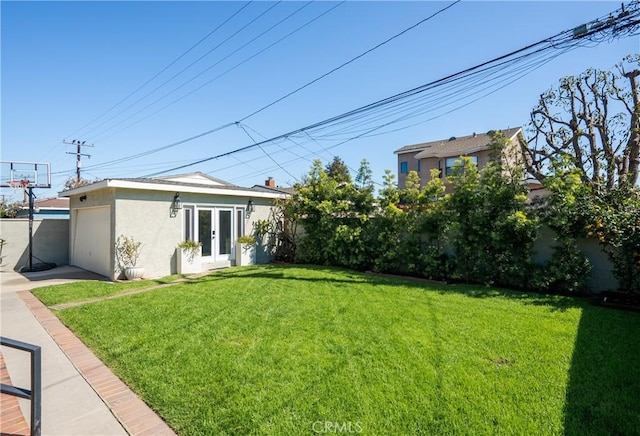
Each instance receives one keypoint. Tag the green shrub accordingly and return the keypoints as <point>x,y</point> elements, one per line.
<point>567,271</point>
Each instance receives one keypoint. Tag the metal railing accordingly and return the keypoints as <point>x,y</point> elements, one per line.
<point>35,394</point>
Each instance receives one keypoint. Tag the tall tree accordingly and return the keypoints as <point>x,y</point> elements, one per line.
<point>586,150</point>
<point>338,170</point>
<point>594,120</point>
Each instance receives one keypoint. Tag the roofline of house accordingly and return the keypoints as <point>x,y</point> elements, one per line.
<point>420,149</point>
<point>232,191</point>
<point>413,150</point>
<point>267,188</point>
<point>49,208</point>
<point>199,173</point>
<point>457,153</point>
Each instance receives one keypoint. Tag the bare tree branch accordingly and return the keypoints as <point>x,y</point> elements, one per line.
<point>594,120</point>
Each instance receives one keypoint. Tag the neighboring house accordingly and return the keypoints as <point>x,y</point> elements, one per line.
<point>443,154</point>
<point>161,213</point>
<point>49,208</point>
<point>270,186</point>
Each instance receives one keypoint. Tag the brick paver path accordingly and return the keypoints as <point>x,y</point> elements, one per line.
<point>12,421</point>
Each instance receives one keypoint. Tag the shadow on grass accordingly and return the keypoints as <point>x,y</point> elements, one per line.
<point>604,378</point>
<point>280,272</point>
<point>555,302</point>
<point>603,386</point>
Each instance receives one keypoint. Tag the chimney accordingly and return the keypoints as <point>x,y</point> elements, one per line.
<point>270,182</point>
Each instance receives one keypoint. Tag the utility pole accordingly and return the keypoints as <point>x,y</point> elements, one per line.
<point>79,154</point>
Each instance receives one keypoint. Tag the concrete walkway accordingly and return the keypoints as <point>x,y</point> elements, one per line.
<point>70,404</point>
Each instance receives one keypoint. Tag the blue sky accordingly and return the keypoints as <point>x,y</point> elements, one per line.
<point>64,64</point>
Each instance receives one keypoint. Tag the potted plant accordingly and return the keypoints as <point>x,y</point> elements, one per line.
<point>245,250</point>
<point>188,256</point>
<point>127,252</point>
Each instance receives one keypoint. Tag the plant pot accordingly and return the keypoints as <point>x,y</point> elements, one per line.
<point>133,272</point>
<point>186,264</point>
<point>245,254</point>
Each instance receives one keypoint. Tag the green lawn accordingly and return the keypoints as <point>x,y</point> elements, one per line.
<point>289,350</point>
<point>78,291</point>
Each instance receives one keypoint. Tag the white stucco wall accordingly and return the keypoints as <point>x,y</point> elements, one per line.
<point>50,242</point>
<point>262,210</point>
<point>601,279</point>
<point>146,216</point>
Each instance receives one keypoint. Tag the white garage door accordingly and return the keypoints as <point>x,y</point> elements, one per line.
<point>91,240</point>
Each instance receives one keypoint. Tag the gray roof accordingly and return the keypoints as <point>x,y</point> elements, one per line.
<point>279,189</point>
<point>226,186</point>
<point>199,183</point>
<point>454,145</point>
<point>196,173</point>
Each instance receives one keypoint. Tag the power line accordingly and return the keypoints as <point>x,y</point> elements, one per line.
<point>323,75</point>
<point>183,70</point>
<point>625,23</point>
<point>128,158</point>
<point>267,154</point>
<point>566,40</point>
<point>224,126</point>
<point>246,162</point>
<point>163,70</point>
<point>450,94</point>
<point>397,35</point>
<point>223,73</point>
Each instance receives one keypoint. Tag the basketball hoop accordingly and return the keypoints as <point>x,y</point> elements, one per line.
<point>18,186</point>
<point>25,177</point>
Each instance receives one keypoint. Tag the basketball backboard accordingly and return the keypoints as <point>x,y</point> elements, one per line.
<point>33,174</point>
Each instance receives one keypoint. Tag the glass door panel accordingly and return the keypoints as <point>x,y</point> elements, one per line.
<point>225,232</point>
<point>205,231</point>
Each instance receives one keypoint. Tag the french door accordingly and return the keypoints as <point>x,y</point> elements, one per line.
<point>215,232</point>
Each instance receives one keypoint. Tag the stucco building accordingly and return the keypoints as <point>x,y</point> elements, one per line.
<point>161,213</point>
<point>443,154</point>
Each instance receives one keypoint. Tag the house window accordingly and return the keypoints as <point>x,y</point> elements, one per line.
<point>239,223</point>
<point>404,167</point>
<point>451,161</point>
<point>188,223</point>
<point>419,165</point>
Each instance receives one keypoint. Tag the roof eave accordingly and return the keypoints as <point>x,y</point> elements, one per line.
<point>516,133</point>
<point>84,189</point>
<point>451,154</point>
<point>413,150</point>
<point>150,186</point>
